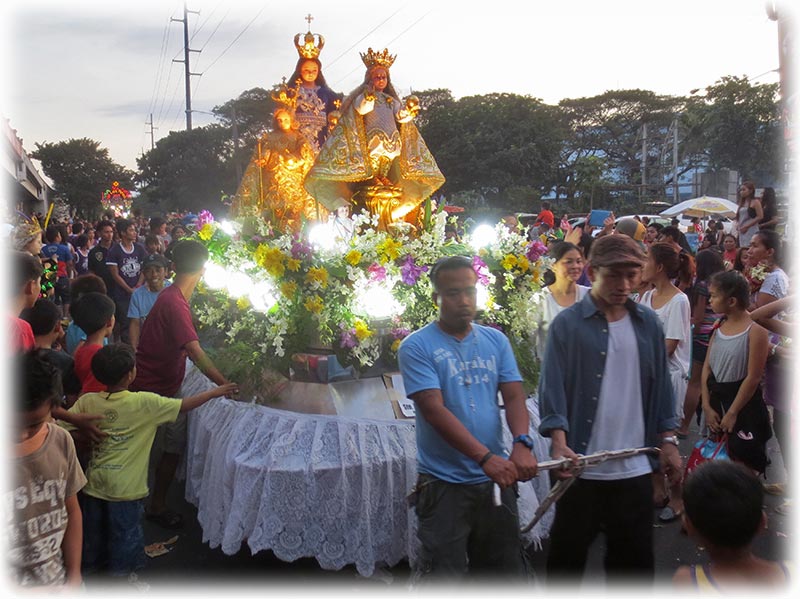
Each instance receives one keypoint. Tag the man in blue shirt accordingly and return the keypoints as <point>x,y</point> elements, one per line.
<point>453,369</point>
<point>605,385</point>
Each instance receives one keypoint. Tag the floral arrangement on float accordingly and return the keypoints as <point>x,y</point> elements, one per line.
<point>277,295</point>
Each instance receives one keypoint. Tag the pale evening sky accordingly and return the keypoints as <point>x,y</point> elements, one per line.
<point>98,70</point>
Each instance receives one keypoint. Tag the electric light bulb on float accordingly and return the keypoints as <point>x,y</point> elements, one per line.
<point>483,236</point>
<point>377,301</point>
<point>215,276</point>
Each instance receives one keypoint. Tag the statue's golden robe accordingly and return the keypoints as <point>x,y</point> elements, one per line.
<point>273,181</point>
<point>344,163</point>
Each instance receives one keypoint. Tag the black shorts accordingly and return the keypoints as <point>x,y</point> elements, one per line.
<point>61,289</point>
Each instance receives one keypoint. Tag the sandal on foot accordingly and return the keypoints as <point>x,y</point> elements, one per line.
<point>166,519</point>
<point>668,515</point>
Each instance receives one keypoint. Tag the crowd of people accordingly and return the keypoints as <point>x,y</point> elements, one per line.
<point>637,329</point>
<point>102,350</point>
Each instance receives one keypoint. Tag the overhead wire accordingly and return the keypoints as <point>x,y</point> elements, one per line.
<point>236,39</point>
<point>159,70</point>
<point>366,35</point>
<point>398,36</point>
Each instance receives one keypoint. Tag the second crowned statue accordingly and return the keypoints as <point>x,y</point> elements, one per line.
<point>375,157</point>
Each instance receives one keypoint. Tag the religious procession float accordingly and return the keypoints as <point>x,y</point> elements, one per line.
<point>311,286</point>
<point>322,271</point>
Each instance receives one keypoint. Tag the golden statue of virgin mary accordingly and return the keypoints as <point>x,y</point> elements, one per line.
<point>375,157</point>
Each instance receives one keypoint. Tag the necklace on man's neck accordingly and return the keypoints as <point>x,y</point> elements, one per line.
<point>466,372</point>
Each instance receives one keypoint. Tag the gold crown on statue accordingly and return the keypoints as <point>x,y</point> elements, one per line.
<point>379,59</point>
<point>26,230</point>
<point>309,49</point>
<point>286,95</point>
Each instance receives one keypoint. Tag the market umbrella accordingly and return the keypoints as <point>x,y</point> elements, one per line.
<point>703,206</point>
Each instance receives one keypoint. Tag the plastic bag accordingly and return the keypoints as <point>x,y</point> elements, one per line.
<point>706,450</point>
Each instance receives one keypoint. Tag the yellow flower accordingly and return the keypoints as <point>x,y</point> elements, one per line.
<point>288,289</point>
<point>271,259</point>
<point>388,249</point>
<point>362,330</point>
<point>523,263</point>
<point>314,304</point>
<point>206,232</point>
<point>293,264</point>
<point>396,345</point>
<point>317,276</point>
<point>509,262</point>
<point>535,272</point>
<point>353,257</point>
<point>243,303</point>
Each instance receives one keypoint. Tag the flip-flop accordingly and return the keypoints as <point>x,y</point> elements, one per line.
<point>166,519</point>
<point>669,515</point>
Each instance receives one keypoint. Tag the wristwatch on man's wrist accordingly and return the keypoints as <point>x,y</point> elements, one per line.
<point>671,439</point>
<point>526,440</point>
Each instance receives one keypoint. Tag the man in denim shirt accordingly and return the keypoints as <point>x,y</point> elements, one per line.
<point>605,386</point>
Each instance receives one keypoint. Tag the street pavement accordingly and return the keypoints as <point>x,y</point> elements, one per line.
<point>192,564</point>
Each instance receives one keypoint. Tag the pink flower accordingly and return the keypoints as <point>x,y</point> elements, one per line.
<point>376,272</point>
<point>205,217</point>
<point>535,250</point>
<point>480,268</point>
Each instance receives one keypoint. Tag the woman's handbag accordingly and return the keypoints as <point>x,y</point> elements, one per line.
<point>706,450</point>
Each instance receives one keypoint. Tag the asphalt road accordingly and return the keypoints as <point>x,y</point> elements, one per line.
<point>193,565</point>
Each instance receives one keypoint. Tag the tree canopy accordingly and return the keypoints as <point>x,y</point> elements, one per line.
<point>188,170</point>
<point>500,149</point>
<point>81,171</point>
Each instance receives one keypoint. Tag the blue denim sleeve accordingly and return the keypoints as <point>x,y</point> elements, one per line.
<point>552,381</point>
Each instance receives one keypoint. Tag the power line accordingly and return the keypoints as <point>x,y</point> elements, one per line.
<point>160,67</point>
<point>402,33</point>
<point>387,44</point>
<point>200,27</point>
<point>215,29</point>
<point>365,37</point>
<point>236,39</point>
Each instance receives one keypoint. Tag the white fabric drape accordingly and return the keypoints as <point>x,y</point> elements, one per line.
<point>305,485</point>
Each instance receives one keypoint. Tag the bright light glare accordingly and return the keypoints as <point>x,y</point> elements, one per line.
<point>377,301</point>
<point>482,236</point>
<point>227,227</point>
<point>321,237</point>
<point>261,297</point>
<point>238,284</point>
<point>215,276</point>
<point>482,296</point>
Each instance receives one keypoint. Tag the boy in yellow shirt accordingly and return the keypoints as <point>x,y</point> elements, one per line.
<point>112,500</point>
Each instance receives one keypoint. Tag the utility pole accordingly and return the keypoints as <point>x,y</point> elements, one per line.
<point>235,132</point>
<point>642,189</point>
<point>152,140</point>
<point>185,61</point>
<point>675,195</point>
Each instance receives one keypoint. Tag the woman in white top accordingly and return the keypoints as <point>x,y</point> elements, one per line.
<point>664,264</point>
<point>765,250</point>
<point>748,214</point>
<point>561,289</point>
